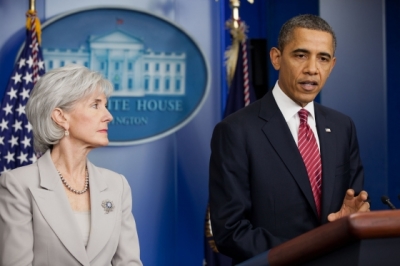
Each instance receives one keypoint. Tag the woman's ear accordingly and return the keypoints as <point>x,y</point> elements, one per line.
<point>59,117</point>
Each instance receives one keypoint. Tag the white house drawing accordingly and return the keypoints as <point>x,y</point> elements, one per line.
<point>123,59</point>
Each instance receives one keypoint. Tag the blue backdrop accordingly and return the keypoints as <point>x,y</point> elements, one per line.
<point>169,176</point>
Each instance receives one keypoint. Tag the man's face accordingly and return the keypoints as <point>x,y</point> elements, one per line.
<point>304,64</point>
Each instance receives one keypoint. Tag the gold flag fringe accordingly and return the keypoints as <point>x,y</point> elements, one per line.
<point>208,232</point>
<point>231,54</point>
<point>29,15</point>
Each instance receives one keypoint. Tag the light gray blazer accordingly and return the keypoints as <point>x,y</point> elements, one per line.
<point>38,227</point>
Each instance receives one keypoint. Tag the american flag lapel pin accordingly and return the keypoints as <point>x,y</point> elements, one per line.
<point>328,130</point>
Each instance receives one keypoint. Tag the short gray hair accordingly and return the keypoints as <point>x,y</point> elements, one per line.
<point>306,21</point>
<point>60,88</point>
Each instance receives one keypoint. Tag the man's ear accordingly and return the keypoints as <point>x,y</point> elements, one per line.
<point>275,56</point>
<point>59,117</point>
<point>333,64</point>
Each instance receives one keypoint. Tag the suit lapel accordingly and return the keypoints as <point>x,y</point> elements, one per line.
<point>102,223</point>
<point>53,203</point>
<point>327,143</point>
<point>280,137</point>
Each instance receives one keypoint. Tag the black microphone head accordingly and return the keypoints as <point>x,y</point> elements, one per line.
<point>384,199</point>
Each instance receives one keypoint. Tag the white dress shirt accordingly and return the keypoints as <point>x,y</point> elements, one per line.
<point>290,111</point>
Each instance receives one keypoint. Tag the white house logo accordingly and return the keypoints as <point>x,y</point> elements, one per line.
<point>159,74</point>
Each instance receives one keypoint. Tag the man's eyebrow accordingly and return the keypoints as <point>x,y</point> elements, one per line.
<point>326,54</point>
<point>300,50</point>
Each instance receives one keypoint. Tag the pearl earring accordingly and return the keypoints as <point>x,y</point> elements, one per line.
<point>66,133</point>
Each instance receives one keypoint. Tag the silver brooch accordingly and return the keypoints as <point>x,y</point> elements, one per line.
<point>108,206</point>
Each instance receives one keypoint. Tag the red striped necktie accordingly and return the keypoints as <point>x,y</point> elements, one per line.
<point>309,151</point>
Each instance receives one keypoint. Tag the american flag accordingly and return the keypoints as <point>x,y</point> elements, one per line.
<point>16,138</point>
<point>241,94</point>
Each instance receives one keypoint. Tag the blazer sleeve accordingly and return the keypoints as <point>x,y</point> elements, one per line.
<point>230,199</point>
<point>128,251</point>
<point>16,231</point>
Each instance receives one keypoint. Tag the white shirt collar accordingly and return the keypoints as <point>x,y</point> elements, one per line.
<point>287,106</point>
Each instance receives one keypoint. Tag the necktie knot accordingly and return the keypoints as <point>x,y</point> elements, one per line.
<point>303,114</point>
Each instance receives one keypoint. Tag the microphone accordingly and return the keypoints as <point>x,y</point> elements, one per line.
<point>386,200</point>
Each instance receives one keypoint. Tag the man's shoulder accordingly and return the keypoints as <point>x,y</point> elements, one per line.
<point>250,110</point>
<point>333,116</point>
<point>319,108</point>
<point>254,111</point>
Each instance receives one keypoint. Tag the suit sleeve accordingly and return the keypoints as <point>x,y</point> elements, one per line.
<point>16,231</point>
<point>356,168</point>
<point>230,198</point>
<point>128,251</point>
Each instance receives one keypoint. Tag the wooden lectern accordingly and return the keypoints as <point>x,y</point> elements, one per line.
<point>371,238</point>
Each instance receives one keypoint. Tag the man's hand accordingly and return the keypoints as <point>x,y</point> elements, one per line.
<point>351,204</point>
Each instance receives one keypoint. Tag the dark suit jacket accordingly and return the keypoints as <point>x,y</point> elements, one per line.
<point>260,194</point>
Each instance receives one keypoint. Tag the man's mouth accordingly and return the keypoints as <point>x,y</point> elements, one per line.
<point>308,85</point>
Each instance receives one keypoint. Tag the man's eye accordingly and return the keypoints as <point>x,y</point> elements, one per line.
<point>95,106</point>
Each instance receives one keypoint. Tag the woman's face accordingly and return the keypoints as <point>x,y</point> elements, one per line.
<point>88,121</point>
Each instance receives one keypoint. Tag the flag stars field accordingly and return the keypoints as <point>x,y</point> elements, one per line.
<point>13,141</point>
<point>30,61</point>
<point>26,142</point>
<point>4,125</point>
<point>21,109</point>
<point>17,125</point>
<point>28,127</point>
<point>8,109</point>
<point>21,63</point>
<point>27,78</point>
<point>12,93</point>
<point>17,78</point>
<point>9,157</point>
<point>16,148</point>
<point>24,94</point>
<point>22,157</point>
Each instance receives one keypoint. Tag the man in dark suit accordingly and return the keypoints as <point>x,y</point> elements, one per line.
<point>274,176</point>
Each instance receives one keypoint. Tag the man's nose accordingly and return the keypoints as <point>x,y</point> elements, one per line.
<point>312,66</point>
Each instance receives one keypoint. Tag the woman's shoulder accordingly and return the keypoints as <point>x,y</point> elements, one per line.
<point>111,178</point>
<point>27,175</point>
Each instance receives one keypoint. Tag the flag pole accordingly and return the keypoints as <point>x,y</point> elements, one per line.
<point>237,29</point>
<point>235,4</point>
<point>32,4</point>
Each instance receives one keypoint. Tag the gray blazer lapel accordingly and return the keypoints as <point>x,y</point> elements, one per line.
<point>327,141</point>
<point>53,203</point>
<point>280,137</point>
<point>102,223</point>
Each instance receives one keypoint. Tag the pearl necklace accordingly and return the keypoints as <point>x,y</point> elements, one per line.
<point>74,190</point>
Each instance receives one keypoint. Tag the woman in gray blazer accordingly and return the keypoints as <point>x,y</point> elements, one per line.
<point>63,210</point>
